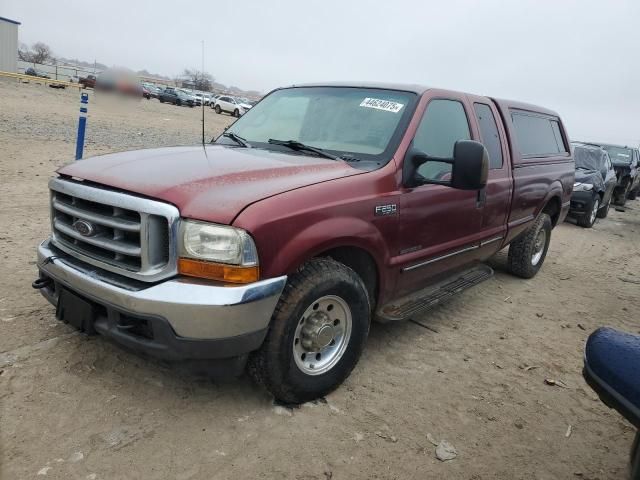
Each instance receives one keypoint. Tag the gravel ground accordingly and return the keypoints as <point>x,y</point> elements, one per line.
<point>74,407</point>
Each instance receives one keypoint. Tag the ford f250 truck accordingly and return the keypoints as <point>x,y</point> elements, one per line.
<point>322,208</point>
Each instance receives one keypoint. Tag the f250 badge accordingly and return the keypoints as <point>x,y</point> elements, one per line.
<point>384,210</point>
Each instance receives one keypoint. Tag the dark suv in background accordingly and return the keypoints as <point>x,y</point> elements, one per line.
<point>625,161</point>
<point>594,183</point>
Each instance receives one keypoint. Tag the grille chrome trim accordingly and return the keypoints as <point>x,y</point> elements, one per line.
<point>114,222</point>
<point>145,250</point>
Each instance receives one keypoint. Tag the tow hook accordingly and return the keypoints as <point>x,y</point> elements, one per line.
<point>41,283</point>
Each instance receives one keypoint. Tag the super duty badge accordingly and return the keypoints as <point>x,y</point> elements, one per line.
<point>383,210</point>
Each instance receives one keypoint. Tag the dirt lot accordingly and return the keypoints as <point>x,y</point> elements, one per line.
<point>80,408</point>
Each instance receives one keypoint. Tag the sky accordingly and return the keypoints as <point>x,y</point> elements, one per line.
<point>578,57</point>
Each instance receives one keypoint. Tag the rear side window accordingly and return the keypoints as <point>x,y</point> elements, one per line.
<point>538,136</point>
<point>489,133</point>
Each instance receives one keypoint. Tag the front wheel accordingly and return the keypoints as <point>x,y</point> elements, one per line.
<point>236,113</point>
<point>587,220</point>
<point>316,335</point>
<point>528,251</point>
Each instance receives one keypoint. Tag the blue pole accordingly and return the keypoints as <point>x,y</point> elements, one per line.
<point>82,124</point>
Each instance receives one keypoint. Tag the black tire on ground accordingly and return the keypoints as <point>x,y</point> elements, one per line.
<point>218,109</point>
<point>621,198</point>
<point>528,251</point>
<point>179,103</point>
<point>632,195</point>
<point>588,220</point>
<point>161,100</point>
<point>236,113</point>
<point>604,210</point>
<point>274,364</point>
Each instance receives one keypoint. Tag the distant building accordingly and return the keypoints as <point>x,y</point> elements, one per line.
<point>8,45</point>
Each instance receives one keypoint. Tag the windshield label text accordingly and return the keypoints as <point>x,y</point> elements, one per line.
<point>385,105</point>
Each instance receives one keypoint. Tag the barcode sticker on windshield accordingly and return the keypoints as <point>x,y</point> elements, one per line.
<point>378,104</point>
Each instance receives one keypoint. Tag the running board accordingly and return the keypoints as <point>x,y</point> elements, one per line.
<point>427,298</point>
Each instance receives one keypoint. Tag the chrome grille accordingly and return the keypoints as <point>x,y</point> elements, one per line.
<point>122,233</point>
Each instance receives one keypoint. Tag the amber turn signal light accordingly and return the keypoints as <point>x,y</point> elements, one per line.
<point>218,271</point>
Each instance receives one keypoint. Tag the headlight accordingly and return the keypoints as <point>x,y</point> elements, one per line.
<point>217,252</point>
<point>218,243</point>
<point>582,187</point>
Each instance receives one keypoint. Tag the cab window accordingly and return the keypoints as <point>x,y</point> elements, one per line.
<point>443,124</point>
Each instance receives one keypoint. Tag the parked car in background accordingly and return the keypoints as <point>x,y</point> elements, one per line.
<point>231,105</point>
<point>88,82</point>
<point>175,97</point>
<point>594,183</point>
<point>151,91</point>
<point>194,99</point>
<point>626,162</point>
<point>207,98</point>
<point>321,209</point>
<point>35,73</point>
<point>212,102</point>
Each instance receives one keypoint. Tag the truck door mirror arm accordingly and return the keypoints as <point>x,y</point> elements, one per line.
<point>469,166</point>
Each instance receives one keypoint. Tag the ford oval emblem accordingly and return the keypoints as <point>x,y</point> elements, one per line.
<point>84,228</point>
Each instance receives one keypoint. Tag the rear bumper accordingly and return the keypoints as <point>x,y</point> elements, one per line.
<point>178,319</point>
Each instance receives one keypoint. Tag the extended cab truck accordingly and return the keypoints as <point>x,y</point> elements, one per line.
<point>322,208</point>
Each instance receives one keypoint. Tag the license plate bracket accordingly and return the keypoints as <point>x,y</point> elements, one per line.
<point>76,311</point>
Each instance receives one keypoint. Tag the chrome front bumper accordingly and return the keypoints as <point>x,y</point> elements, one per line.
<point>195,310</point>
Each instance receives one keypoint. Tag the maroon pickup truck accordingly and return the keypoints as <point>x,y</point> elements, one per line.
<point>323,208</point>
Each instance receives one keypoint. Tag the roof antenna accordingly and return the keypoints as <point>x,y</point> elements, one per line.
<point>202,85</point>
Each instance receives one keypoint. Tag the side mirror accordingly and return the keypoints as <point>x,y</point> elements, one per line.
<point>469,167</point>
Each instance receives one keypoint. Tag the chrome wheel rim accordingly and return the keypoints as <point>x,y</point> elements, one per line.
<point>538,247</point>
<point>322,335</point>
<point>594,210</point>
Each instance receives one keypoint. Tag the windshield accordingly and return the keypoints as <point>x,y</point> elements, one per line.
<point>358,122</point>
<point>588,158</point>
<point>618,154</point>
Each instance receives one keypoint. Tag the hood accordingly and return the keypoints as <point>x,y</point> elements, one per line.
<point>593,177</point>
<point>215,186</point>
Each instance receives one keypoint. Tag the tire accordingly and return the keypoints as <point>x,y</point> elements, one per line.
<point>161,100</point>
<point>632,195</point>
<point>236,113</point>
<point>218,109</point>
<point>303,316</point>
<point>604,211</point>
<point>587,221</point>
<point>621,198</point>
<point>179,103</point>
<point>526,255</point>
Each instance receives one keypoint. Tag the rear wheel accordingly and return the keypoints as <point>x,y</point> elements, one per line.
<point>528,251</point>
<point>587,220</point>
<point>161,100</point>
<point>218,109</point>
<point>316,335</point>
<point>632,195</point>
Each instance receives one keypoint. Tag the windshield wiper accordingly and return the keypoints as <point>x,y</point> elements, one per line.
<point>295,145</point>
<point>237,138</point>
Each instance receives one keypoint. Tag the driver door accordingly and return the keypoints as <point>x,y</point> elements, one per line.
<point>439,225</point>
